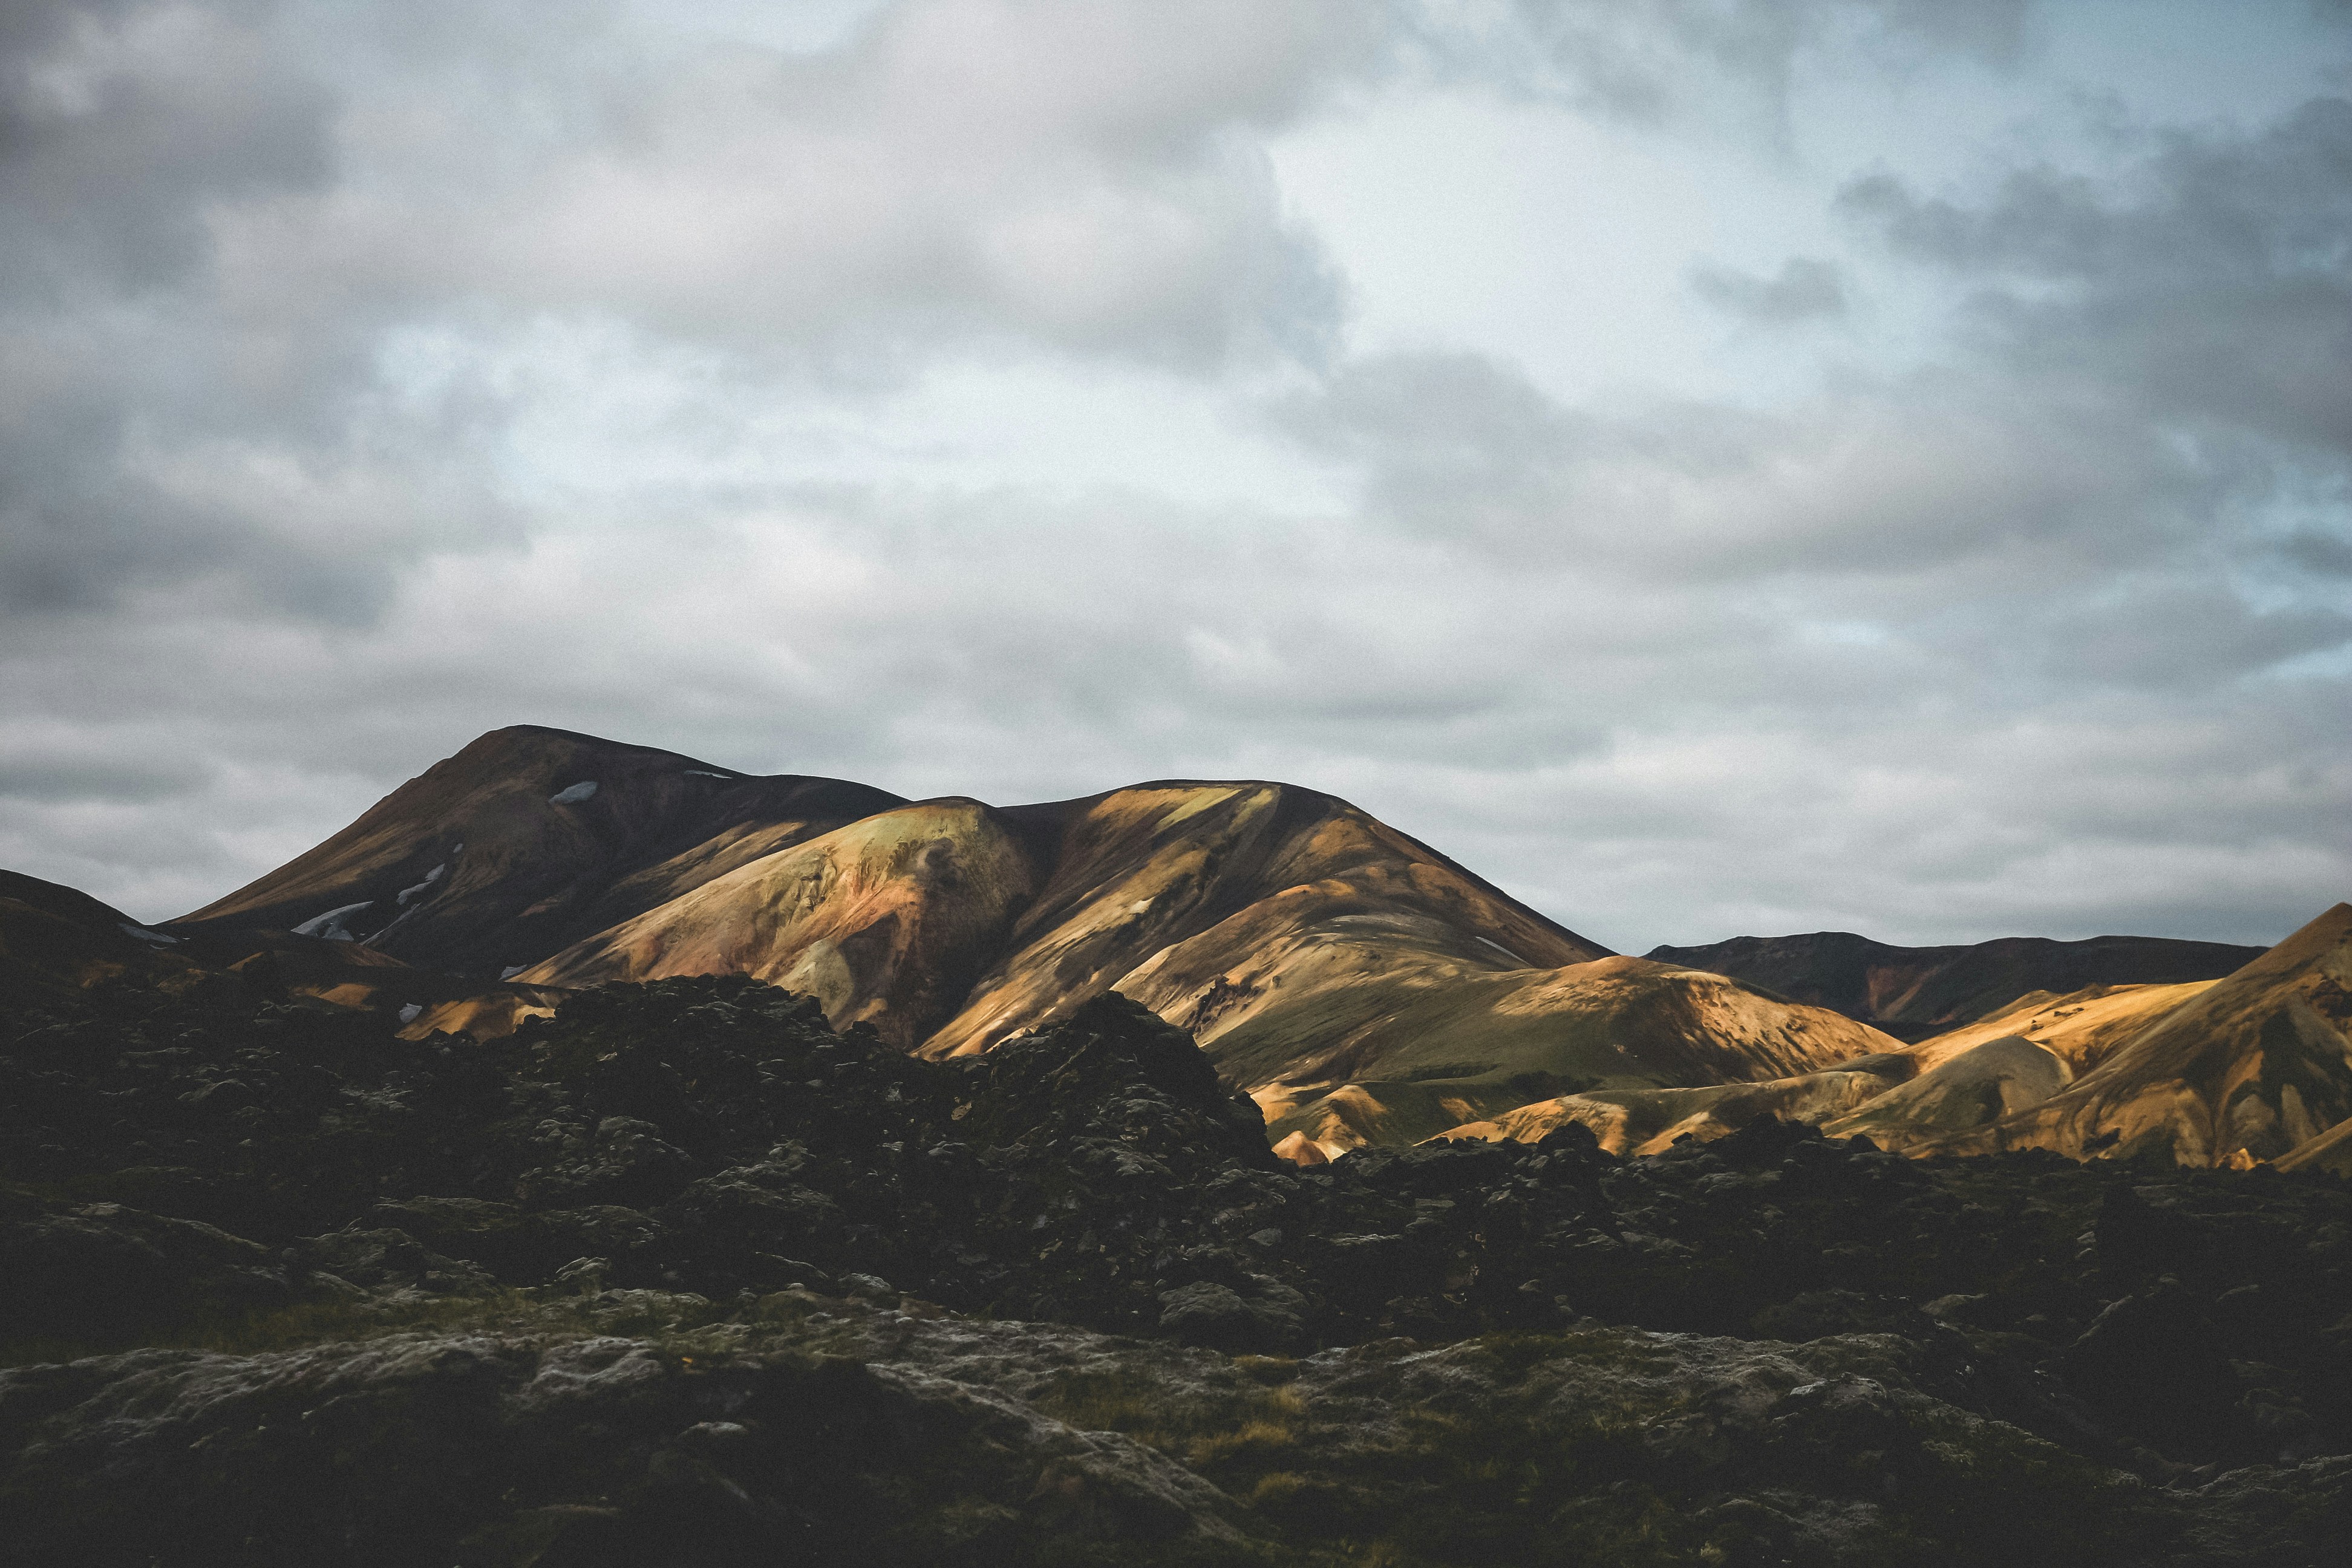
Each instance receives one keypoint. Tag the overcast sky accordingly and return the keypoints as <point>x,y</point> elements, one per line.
<point>1710,466</point>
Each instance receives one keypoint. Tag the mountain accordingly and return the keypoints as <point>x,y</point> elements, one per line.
<point>2082,1028</point>
<point>1361,987</point>
<point>527,840</point>
<point>1317,955</point>
<point>2244,1071</point>
<point>2251,1069</point>
<point>1653,1121</point>
<point>1263,917</point>
<point>1915,992</point>
<point>1421,1058</point>
<point>55,941</point>
<point>56,944</point>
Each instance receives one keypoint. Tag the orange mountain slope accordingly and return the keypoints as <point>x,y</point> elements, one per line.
<point>2246,1070</point>
<point>1913,1099</point>
<point>1421,1056</point>
<point>1915,991</point>
<point>1362,986</point>
<point>950,925</point>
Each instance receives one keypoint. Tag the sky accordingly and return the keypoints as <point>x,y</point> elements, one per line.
<point>1711,467</point>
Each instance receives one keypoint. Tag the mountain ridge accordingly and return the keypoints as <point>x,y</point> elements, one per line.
<point>1362,986</point>
<point>1915,992</point>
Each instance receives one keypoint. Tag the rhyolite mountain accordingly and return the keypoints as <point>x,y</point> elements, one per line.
<point>1915,992</point>
<point>527,840</point>
<point>932,1227</point>
<point>2251,1069</point>
<point>1313,951</point>
<point>1362,987</point>
<point>2246,1070</point>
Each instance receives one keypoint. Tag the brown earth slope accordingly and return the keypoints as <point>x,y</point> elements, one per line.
<point>1915,991</point>
<point>527,840</point>
<point>1434,1055</point>
<point>1201,899</point>
<point>2082,1028</point>
<point>886,920</point>
<point>1364,985</point>
<point>1910,1098</point>
<point>950,925</point>
<point>2245,1071</point>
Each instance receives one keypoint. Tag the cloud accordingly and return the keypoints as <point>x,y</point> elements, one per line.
<point>370,376</point>
<point>2210,284</point>
<point>1081,176</point>
<point>1807,288</point>
<point>1937,471</point>
<point>1651,60</point>
<point>211,234</point>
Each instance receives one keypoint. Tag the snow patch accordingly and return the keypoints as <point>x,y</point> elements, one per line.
<point>512,970</point>
<point>430,878</point>
<point>143,934</point>
<point>705,773</point>
<point>577,792</point>
<point>414,1011</point>
<point>330,924</point>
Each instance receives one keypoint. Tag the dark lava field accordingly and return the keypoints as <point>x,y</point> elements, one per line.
<point>683,1276</point>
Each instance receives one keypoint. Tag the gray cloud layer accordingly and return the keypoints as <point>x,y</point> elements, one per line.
<point>300,307</point>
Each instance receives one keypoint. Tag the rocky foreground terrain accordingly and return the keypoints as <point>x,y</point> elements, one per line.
<point>683,1276</point>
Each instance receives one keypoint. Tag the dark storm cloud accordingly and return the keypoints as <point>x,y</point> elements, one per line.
<point>2322,554</point>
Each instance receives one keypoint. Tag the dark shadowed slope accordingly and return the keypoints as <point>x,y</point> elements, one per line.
<point>1915,992</point>
<point>529,840</point>
<point>55,940</point>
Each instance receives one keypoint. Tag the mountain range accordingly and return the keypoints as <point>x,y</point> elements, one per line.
<point>1361,987</point>
<point>592,1157</point>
